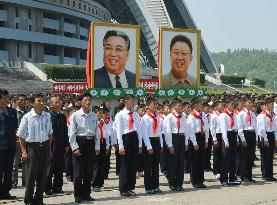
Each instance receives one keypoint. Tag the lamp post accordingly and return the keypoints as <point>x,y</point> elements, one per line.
<point>241,84</point>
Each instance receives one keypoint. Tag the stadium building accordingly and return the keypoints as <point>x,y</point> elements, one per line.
<point>47,31</point>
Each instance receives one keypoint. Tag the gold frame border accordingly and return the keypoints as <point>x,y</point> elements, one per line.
<point>136,27</point>
<point>198,32</point>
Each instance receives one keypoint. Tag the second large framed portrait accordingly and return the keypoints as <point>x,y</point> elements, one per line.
<point>179,58</point>
<point>115,55</point>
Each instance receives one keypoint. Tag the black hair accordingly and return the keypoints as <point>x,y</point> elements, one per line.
<point>149,100</point>
<point>33,97</point>
<point>117,33</point>
<point>20,96</point>
<point>128,97</point>
<point>3,92</point>
<point>83,95</point>
<point>175,102</point>
<point>181,38</point>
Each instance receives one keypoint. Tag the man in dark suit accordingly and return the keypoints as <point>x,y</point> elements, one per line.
<point>116,53</point>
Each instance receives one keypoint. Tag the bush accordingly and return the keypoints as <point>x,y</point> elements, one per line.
<point>65,73</point>
<point>202,78</point>
<point>259,82</point>
<point>232,79</point>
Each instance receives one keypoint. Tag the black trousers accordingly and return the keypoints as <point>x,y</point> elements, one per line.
<point>83,167</point>
<point>198,160</point>
<point>107,165</point>
<point>176,161</point>
<point>55,168</point>
<point>228,161</point>
<point>217,154</point>
<point>188,154</point>
<point>128,162</point>
<point>248,154</point>
<point>6,168</point>
<point>99,170</point>
<point>38,156</point>
<point>267,156</point>
<point>68,164</point>
<point>208,153</point>
<point>151,164</point>
<point>164,158</point>
<point>117,161</point>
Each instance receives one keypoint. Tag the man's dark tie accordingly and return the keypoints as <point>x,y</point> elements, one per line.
<point>117,82</point>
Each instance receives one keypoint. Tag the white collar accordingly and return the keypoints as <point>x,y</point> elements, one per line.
<point>84,113</point>
<point>35,114</point>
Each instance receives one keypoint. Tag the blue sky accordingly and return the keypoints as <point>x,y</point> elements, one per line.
<point>236,23</point>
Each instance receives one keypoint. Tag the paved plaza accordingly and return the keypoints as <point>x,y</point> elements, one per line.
<point>246,194</point>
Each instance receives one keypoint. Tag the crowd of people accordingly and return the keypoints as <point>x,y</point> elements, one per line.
<point>40,132</point>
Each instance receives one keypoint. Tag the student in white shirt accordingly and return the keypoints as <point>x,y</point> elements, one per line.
<point>151,128</point>
<point>228,126</point>
<point>199,135</point>
<point>130,145</point>
<point>267,130</point>
<point>99,176</point>
<point>175,130</point>
<point>164,111</point>
<point>217,137</point>
<point>247,134</point>
<point>207,120</point>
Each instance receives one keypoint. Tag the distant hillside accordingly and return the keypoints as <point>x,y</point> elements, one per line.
<point>250,63</point>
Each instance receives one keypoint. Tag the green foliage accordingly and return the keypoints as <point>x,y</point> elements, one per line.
<point>251,63</point>
<point>232,79</point>
<point>259,82</point>
<point>65,73</point>
<point>202,78</point>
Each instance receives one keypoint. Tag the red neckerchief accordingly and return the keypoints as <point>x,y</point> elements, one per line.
<point>107,120</point>
<point>270,116</point>
<point>155,122</point>
<point>131,120</point>
<point>178,119</point>
<point>101,125</point>
<point>231,115</point>
<point>208,115</point>
<point>199,117</point>
<point>217,113</point>
<point>68,120</point>
<point>249,119</point>
<point>236,112</point>
<point>160,115</point>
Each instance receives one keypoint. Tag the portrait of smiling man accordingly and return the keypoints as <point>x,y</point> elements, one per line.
<point>180,59</point>
<point>116,48</point>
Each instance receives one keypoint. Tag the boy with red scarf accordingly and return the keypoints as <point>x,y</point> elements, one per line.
<point>228,126</point>
<point>199,135</point>
<point>176,132</point>
<point>151,128</point>
<point>247,133</point>
<point>98,173</point>
<point>267,131</point>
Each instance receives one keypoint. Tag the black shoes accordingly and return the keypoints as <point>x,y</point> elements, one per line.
<point>7,196</point>
<point>225,184</point>
<point>270,179</point>
<point>78,200</point>
<point>199,186</point>
<point>88,198</point>
<point>128,193</point>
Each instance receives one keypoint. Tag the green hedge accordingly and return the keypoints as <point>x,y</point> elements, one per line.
<point>65,73</point>
<point>232,79</point>
<point>202,78</point>
<point>258,81</point>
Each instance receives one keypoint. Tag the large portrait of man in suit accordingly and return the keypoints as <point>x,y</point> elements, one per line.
<point>116,63</point>
<point>179,52</point>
